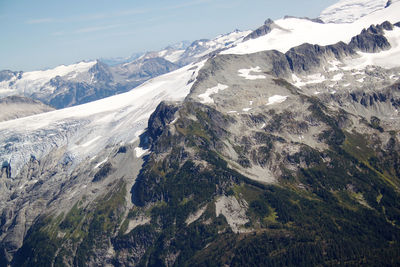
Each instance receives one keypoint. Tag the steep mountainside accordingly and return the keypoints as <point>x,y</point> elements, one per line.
<point>262,155</point>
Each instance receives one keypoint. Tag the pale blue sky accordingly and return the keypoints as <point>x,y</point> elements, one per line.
<point>37,34</point>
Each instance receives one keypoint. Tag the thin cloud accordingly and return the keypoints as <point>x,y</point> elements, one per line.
<point>89,17</point>
<point>58,33</point>
<point>40,21</point>
<point>87,30</point>
<point>97,29</point>
<point>187,4</point>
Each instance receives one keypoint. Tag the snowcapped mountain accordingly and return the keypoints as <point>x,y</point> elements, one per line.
<point>62,86</point>
<point>84,82</point>
<point>120,60</point>
<point>39,81</point>
<point>201,48</point>
<point>186,53</point>
<point>292,32</point>
<point>87,129</point>
<point>289,138</point>
<point>347,11</point>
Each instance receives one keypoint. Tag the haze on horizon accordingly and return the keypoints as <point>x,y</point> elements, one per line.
<point>42,34</point>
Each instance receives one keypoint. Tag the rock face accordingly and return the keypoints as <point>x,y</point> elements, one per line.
<point>263,30</point>
<point>371,40</point>
<point>271,159</point>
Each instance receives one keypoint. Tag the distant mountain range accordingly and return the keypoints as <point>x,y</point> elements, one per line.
<point>80,83</point>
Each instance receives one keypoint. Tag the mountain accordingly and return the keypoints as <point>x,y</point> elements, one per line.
<point>62,86</point>
<point>14,107</point>
<point>185,53</point>
<point>143,69</point>
<point>279,151</point>
<point>66,86</point>
<point>120,60</point>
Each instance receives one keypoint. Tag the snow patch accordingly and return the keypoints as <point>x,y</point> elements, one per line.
<point>245,73</point>
<point>276,99</point>
<point>337,77</point>
<point>140,151</point>
<point>210,91</point>
<point>100,163</point>
<point>334,65</point>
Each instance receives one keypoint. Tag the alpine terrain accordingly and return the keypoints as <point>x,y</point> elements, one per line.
<point>273,147</point>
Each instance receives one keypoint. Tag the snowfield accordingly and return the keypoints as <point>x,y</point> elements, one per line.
<point>347,11</point>
<point>87,129</point>
<point>294,32</point>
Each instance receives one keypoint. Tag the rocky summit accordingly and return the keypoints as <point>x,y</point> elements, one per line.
<point>267,151</point>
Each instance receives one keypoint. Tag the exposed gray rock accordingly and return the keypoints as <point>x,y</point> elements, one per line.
<point>317,20</point>
<point>263,30</point>
<point>372,40</point>
<point>159,120</point>
<point>305,57</point>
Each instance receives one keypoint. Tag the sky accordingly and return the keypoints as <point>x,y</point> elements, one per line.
<point>40,34</point>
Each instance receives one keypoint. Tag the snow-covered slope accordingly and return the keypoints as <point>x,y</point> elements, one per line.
<point>35,81</point>
<point>86,129</point>
<point>294,31</point>
<point>347,11</point>
<point>186,54</point>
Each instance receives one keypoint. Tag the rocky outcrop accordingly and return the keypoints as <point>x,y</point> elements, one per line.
<point>101,73</point>
<point>5,170</point>
<point>159,120</point>
<point>263,30</point>
<point>372,40</point>
<point>306,57</point>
